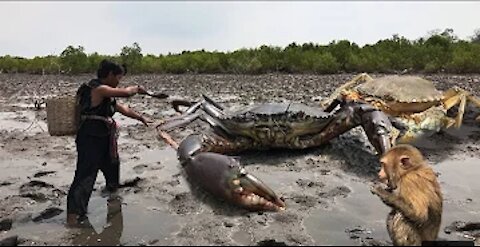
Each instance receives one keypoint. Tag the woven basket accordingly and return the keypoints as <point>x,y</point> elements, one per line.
<point>61,116</point>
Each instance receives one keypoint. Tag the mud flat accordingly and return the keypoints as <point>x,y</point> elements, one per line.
<point>326,188</point>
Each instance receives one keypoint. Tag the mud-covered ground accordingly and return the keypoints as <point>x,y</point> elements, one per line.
<point>326,188</point>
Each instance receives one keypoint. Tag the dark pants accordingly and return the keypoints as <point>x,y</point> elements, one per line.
<point>93,155</point>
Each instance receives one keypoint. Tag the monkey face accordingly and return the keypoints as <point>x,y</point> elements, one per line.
<point>397,162</point>
<point>387,174</point>
<point>382,175</point>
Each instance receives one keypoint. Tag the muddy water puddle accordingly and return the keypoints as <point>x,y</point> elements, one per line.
<point>127,224</point>
<point>115,224</point>
<point>361,215</point>
<point>140,220</point>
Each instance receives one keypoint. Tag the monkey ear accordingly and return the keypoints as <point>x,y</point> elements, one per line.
<point>405,162</point>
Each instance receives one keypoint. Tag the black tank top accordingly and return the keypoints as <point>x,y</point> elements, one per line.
<point>104,109</point>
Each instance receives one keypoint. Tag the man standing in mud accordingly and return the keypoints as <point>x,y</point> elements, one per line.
<point>97,136</point>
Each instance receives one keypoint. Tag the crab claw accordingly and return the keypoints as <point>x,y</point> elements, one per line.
<point>252,193</point>
<point>222,176</point>
<point>378,128</point>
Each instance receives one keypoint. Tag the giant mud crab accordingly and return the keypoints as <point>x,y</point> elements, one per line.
<point>412,101</point>
<point>263,126</point>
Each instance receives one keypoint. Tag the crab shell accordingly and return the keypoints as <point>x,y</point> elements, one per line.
<point>401,94</point>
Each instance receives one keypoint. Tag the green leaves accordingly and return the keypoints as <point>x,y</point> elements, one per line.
<point>438,51</point>
<point>132,57</point>
<point>74,60</point>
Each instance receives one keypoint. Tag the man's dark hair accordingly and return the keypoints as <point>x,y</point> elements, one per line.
<point>107,66</point>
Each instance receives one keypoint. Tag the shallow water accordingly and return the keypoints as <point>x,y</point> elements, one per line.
<point>129,224</point>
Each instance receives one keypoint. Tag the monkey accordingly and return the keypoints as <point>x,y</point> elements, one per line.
<point>413,193</point>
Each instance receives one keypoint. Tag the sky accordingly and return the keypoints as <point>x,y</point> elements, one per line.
<point>41,28</point>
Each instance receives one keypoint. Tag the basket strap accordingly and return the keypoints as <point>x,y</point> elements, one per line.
<point>113,132</point>
<point>95,117</point>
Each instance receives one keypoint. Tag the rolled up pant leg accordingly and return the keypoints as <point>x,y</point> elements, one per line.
<point>111,166</point>
<point>111,172</point>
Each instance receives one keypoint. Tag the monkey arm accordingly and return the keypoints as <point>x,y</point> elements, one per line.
<point>398,203</point>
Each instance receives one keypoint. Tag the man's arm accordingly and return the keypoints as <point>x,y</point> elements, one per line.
<point>107,92</point>
<point>126,111</point>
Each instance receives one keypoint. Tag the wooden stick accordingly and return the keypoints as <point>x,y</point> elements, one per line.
<point>168,139</point>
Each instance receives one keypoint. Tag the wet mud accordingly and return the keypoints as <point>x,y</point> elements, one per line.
<point>327,189</point>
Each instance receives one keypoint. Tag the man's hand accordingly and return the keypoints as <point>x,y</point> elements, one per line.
<point>126,111</point>
<point>141,90</point>
<point>136,90</point>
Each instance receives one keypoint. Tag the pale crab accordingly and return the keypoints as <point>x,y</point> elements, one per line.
<point>412,101</point>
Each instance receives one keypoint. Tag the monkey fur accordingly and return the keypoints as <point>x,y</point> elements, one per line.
<point>413,194</point>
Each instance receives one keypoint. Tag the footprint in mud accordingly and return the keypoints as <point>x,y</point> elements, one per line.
<point>20,118</point>
<point>10,241</point>
<point>40,191</point>
<point>174,182</point>
<point>363,235</point>
<point>132,183</point>
<point>305,201</point>
<point>271,242</point>
<point>184,204</point>
<point>140,168</point>
<point>357,232</point>
<point>156,167</point>
<point>5,184</point>
<point>47,214</point>
<point>342,191</point>
<point>468,229</point>
<point>286,218</point>
<point>374,242</point>
<point>42,174</point>
<point>6,225</point>
<point>304,183</point>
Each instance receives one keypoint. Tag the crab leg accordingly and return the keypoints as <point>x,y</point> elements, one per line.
<point>376,124</point>
<point>212,102</point>
<point>210,107</point>
<point>178,121</point>
<point>221,175</point>
<point>187,117</point>
<point>177,103</point>
<point>455,96</point>
<point>461,111</point>
<point>331,101</point>
<point>475,101</point>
